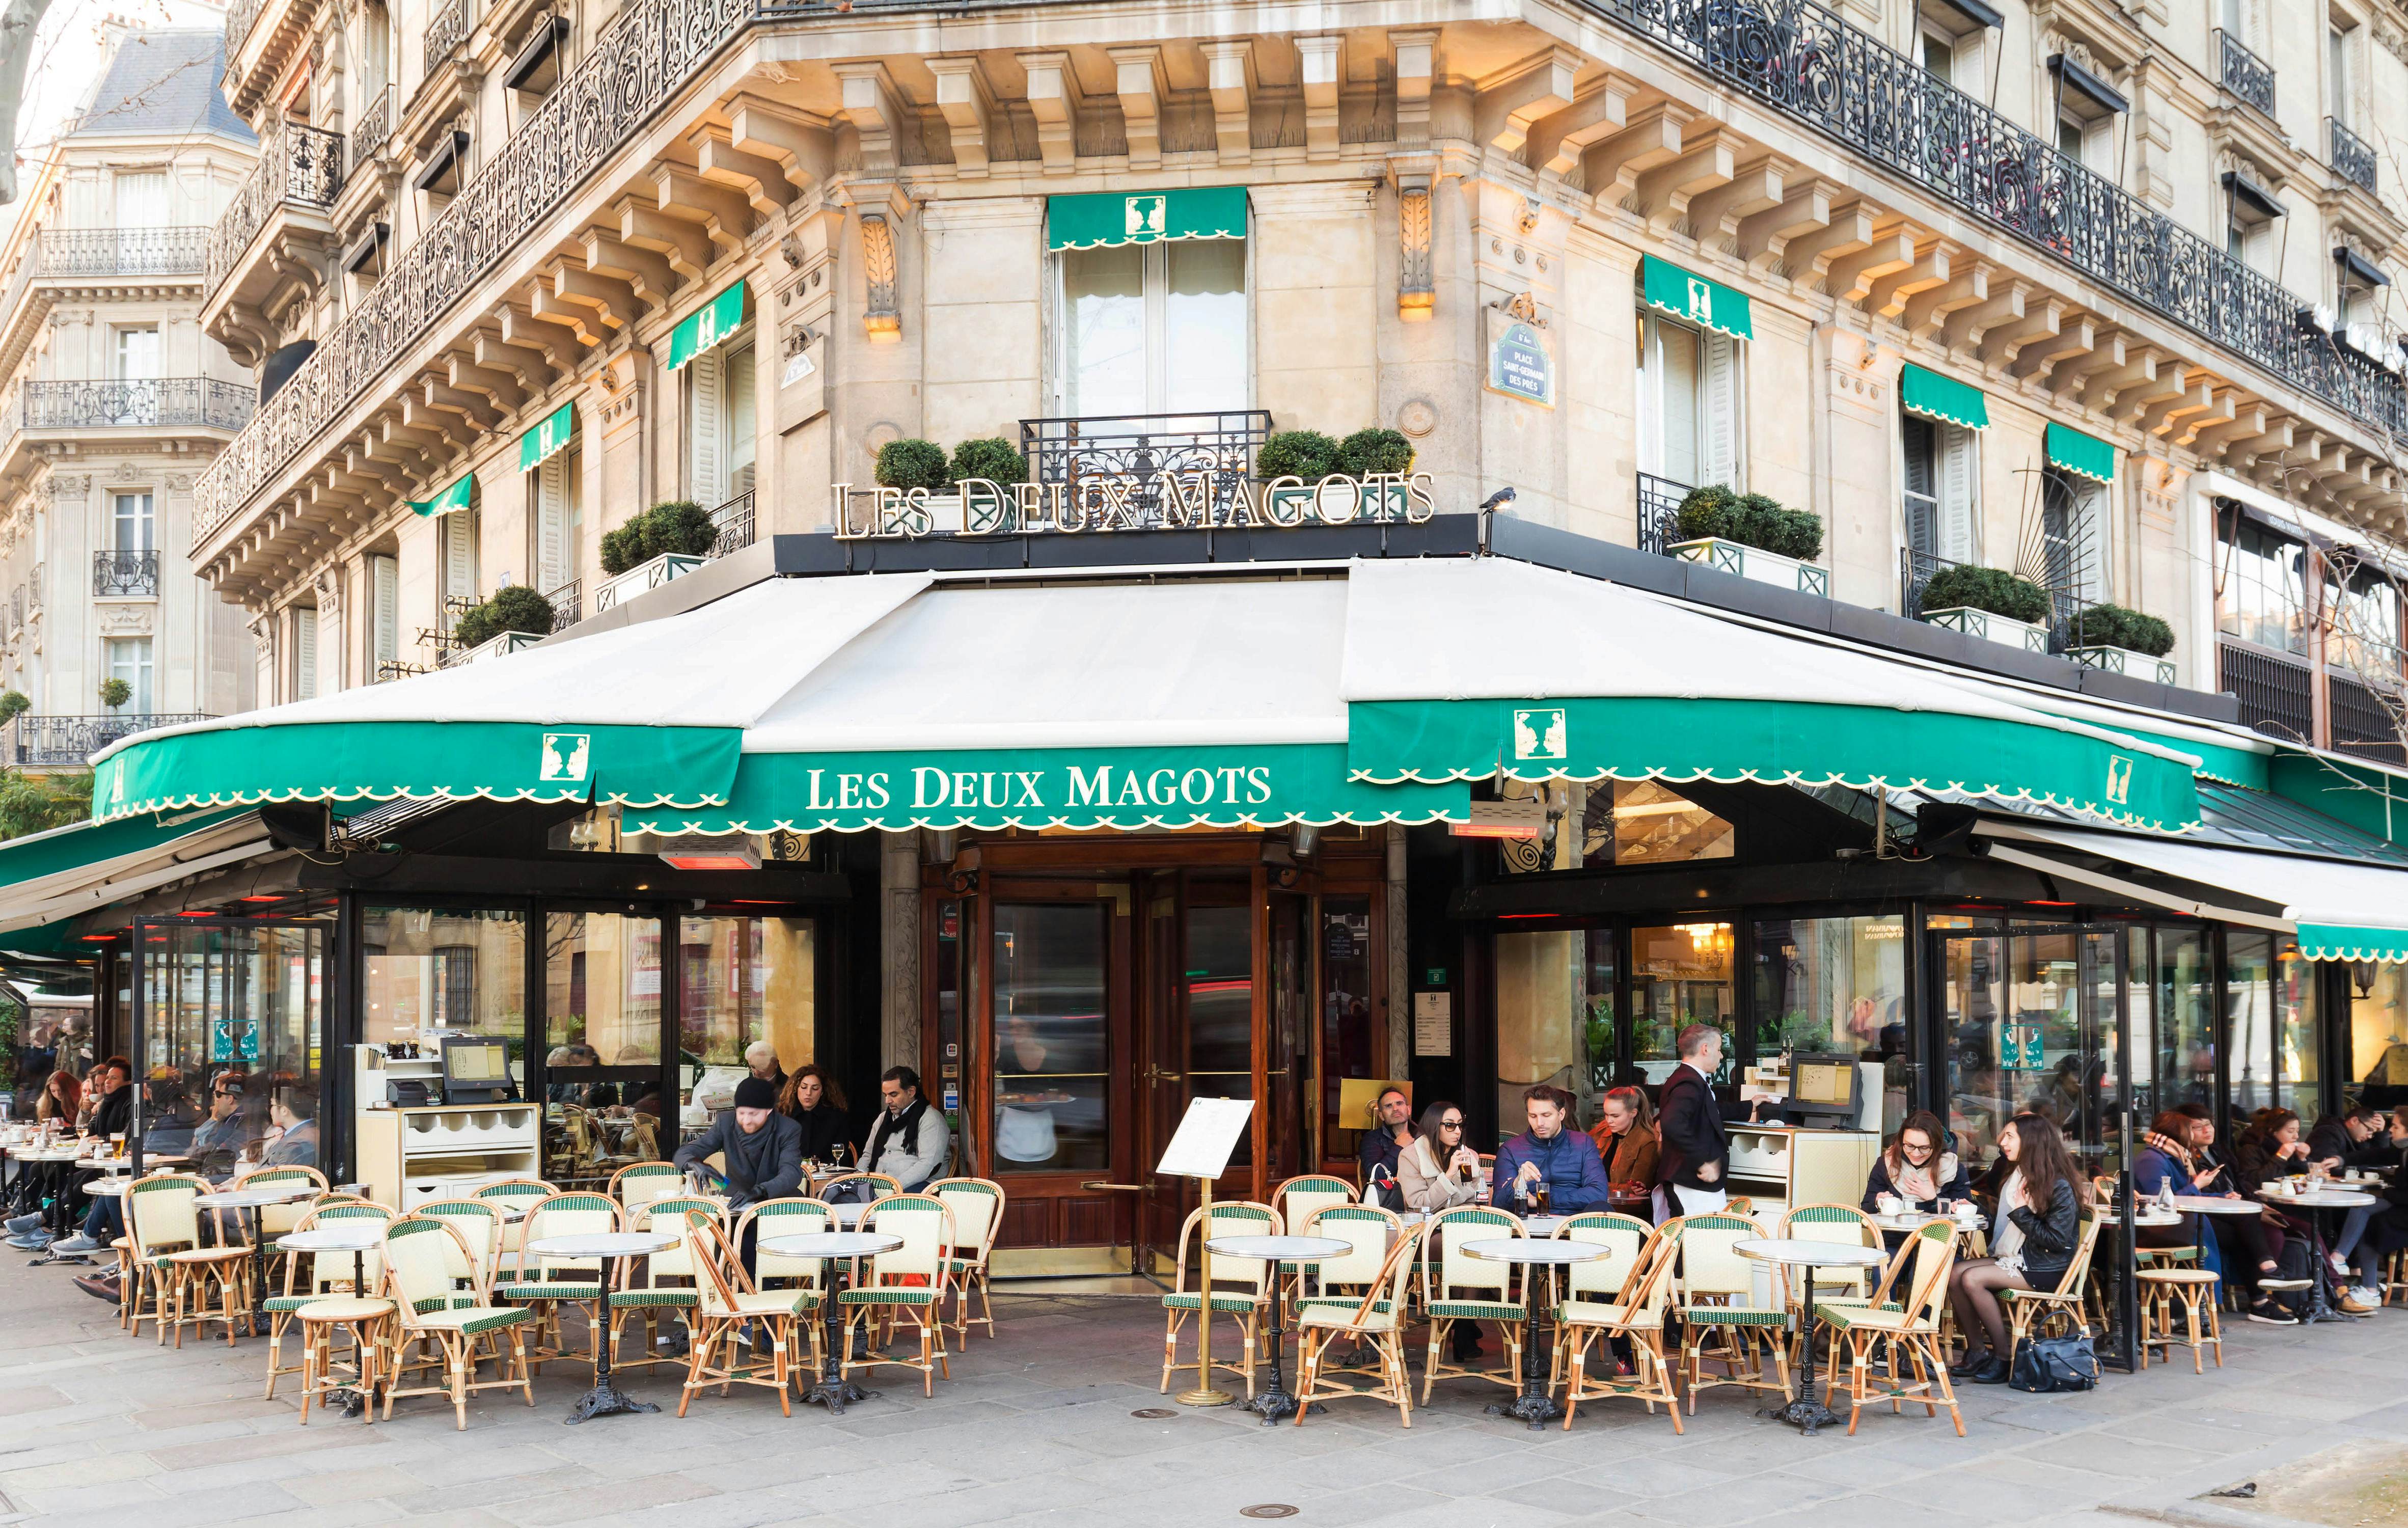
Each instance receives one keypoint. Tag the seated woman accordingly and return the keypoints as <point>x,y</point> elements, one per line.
<point>2032,1241</point>
<point>2272,1149</point>
<point>1436,1170</point>
<point>1625,1140</point>
<point>2180,1149</point>
<point>1914,1168</point>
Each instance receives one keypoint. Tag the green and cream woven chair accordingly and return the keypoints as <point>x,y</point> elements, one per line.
<point>2032,1310</point>
<point>907,1284</point>
<point>279,1219</point>
<point>1622,1296</point>
<point>1241,1287</point>
<point>421,1254</point>
<point>670,1285</point>
<point>480,1224</point>
<point>637,1185</point>
<point>2192,1290</point>
<point>520,1193</point>
<point>189,1283</point>
<point>330,1273</point>
<point>1296,1200</point>
<point>1902,1317</point>
<point>881,1185</point>
<point>1375,1317</point>
<point>774,1218</point>
<point>726,1303</point>
<point>546,1285</point>
<point>1369,1231</point>
<point>1720,1321</point>
<point>171,1223</point>
<point>977,1203</point>
<point>1458,1287</point>
<point>1832,1286</point>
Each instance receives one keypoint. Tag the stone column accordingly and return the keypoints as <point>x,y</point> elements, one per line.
<point>899,885</point>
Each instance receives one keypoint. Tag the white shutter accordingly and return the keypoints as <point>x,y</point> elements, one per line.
<point>305,653</point>
<point>384,603</point>
<point>1676,351</point>
<point>708,485</point>
<point>330,642</point>
<point>552,522</point>
<point>743,372</point>
<point>2091,540</point>
<point>1718,425</point>
<point>460,553</point>
<point>1959,542</point>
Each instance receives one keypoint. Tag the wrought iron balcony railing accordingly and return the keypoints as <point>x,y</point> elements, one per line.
<point>298,164</point>
<point>1804,61</point>
<point>447,28</point>
<point>2352,156</point>
<point>734,521</point>
<point>374,126</point>
<point>121,573</point>
<point>69,741</point>
<point>120,251</point>
<point>567,605</point>
<point>1660,509</point>
<point>241,18</point>
<point>1148,448</point>
<point>2243,73</point>
<point>160,401</point>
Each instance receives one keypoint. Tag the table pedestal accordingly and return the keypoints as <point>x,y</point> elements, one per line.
<point>834,1391</point>
<point>1274,1402</point>
<point>1534,1406</point>
<point>1805,1410</point>
<point>606,1399</point>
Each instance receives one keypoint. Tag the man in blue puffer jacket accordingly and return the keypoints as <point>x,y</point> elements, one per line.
<point>1566,1159</point>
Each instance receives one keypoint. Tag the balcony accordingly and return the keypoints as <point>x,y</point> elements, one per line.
<point>2243,73</point>
<point>161,403</point>
<point>734,521</point>
<point>1806,62</point>
<point>119,252</point>
<point>121,575</point>
<point>300,170</point>
<point>375,127</point>
<point>567,605</point>
<point>263,39</point>
<point>1659,508</point>
<point>1149,448</point>
<point>70,741</point>
<point>2277,691</point>
<point>2352,157</point>
<point>447,28</point>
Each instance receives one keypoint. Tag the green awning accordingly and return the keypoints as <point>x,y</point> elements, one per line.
<point>1688,295</point>
<point>706,326</point>
<point>460,496</point>
<point>2346,942</point>
<point>39,855</point>
<point>539,443</point>
<point>1090,222</point>
<point>2086,456</point>
<point>1944,399</point>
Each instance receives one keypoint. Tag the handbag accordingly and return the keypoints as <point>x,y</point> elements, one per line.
<point>2054,1366</point>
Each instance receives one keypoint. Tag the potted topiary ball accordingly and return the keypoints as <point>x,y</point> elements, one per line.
<point>988,458</point>
<point>1989,603</point>
<point>1752,535</point>
<point>2121,640</point>
<point>1306,456</point>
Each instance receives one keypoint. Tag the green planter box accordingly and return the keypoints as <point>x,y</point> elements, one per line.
<point>2140,666</point>
<point>1990,628</point>
<point>1754,562</point>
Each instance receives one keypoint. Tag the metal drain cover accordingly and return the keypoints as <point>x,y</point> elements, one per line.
<point>1153,1413</point>
<point>1267,1510</point>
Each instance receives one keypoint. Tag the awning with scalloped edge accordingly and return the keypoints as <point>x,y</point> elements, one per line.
<point>1921,391</point>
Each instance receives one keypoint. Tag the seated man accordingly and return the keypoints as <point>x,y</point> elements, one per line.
<point>911,1141</point>
<point>760,1152</point>
<point>1549,1153</point>
<point>294,1110</point>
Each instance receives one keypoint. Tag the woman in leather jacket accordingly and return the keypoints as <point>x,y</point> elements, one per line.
<point>2035,1233</point>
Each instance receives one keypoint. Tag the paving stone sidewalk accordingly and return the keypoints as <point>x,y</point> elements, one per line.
<point>1036,1428</point>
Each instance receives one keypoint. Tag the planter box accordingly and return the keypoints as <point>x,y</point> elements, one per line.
<point>1754,562</point>
<point>651,576</point>
<point>500,647</point>
<point>1990,628</point>
<point>2140,666</point>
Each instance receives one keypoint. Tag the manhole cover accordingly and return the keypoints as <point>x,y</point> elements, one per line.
<point>1267,1510</point>
<point>1153,1413</point>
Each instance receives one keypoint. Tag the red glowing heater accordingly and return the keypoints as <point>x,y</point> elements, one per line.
<point>709,851</point>
<point>1503,819</point>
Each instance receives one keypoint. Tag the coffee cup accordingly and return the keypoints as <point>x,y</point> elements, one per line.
<point>1888,1203</point>
<point>2274,1185</point>
<point>1966,1209</point>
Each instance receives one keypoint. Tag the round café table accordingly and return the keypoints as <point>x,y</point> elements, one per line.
<point>2320,1301</point>
<point>254,1200</point>
<point>355,1237</point>
<point>1534,1404</point>
<point>1804,1410</point>
<point>834,1391</point>
<point>1276,1402</point>
<point>606,1399</point>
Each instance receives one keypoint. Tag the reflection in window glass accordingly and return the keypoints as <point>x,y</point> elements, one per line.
<point>741,979</point>
<point>2378,1033</point>
<point>1346,1040</point>
<point>2249,1018</point>
<point>2296,1075</point>
<point>1680,976</point>
<point>2263,595</point>
<point>1617,823</point>
<point>1836,986</point>
<point>1220,980</point>
<point>1554,1018</point>
<point>459,970</point>
<point>1050,1066</point>
<point>238,1008</point>
<point>2186,1030</point>
<point>602,989</point>
<point>1204,322</point>
<point>1972,995</point>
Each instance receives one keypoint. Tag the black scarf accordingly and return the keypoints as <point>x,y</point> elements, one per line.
<point>908,1128</point>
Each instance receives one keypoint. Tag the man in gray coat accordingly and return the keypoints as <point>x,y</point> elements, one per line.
<point>762,1149</point>
<point>911,1141</point>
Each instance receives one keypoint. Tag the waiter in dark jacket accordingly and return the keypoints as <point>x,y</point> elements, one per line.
<point>1695,1155</point>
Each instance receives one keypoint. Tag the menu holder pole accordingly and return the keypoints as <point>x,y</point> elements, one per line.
<point>1204,1393</point>
<point>1200,1149</point>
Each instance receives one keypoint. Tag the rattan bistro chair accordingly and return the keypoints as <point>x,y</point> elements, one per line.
<point>480,1224</point>
<point>1902,1315</point>
<point>520,1193</point>
<point>2030,1310</point>
<point>161,1218</point>
<point>977,1203</point>
<point>1377,1316</point>
<point>1297,1200</point>
<point>907,1284</point>
<point>421,1256</point>
<point>1719,1321</point>
<point>724,1303</point>
<point>637,1185</point>
<point>544,1285</point>
<point>330,1273</point>
<point>671,1284</point>
<point>1458,1287</point>
<point>1632,1309</point>
<point>772,1219</point>
<point>1241,1287</point>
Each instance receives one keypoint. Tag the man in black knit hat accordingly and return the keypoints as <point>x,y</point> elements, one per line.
<point>762,1150</point>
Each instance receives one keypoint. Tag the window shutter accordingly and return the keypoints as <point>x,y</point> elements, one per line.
<point>709,486</point>
<point>305,653</point>
<point>330,642</point>
<point>551,522</point>
<point>460,555</point>
<point>384,590</point>
<point>1676,349</point>
<point>1956,508</point>
<point>1718,402</point>
<point>2090,540</point>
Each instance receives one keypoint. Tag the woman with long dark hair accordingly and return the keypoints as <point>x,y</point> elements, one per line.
<point>1436,1170</point>
<point>2033,1239</point>
<point>1917,1167</point>
<point>812,1100</point>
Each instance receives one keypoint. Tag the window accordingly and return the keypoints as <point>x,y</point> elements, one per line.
<point>1680,976</point>
<point>2073,538</point>
<point>721,422</point>
<point>2261,584</point>
<point>129,659</point>
<point>744,980</point>
<point>460,970</point>
<point>1154,328</point>
<point>602,980</point>
<point>554,524</point>
<point>303,680</point>
<point>1349,1028</point>
<point>2363,611</point>
<point>1554,1018</point>
<point>1689,403</point>
<point>137,353</point>
<point>1053,1092</point>
<point>141,206</point>
<point>2337,76</point>
<point>384,614</point>
<point>1938,55</point>
<point>1836,986</point>
<point>2378,1035</point>
<point>1615,823</point>
<point>130,526</point>
<point>1939,476</point>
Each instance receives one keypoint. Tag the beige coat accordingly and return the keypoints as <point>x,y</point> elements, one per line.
<point>1425,1186</point>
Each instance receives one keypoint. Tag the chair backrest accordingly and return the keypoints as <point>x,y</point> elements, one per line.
<point>639,1183</point>
<point>926,1227</point>
<point>718,1271</point>
<point>421,1253</point>
<point>1649,1289</point>
<point>159,1215</point>
<point>578,1213</point>
<point>515,1193</point>
<point>2077,1273</point>
<point>1915,1279</point>
<point>1624,1236</point>
<point>1386,1286</point>
<point>1369,1230</point>
<point>773,1217</point>
<point>276,1220</point>
<point>1299,1196</point>
<point>1458,1274</point>
<point>328,1269</point>
<point>1833,1223</point>
<point>1231,1217</point>
<point>678,1262</point>
<point>479,1226</point>
<point>881,1185</point>
<point>1710,1268</point>
<point>977,1203</point>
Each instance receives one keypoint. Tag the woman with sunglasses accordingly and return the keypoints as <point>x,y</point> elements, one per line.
<point>1435,1169</point>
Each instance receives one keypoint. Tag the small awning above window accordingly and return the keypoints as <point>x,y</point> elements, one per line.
<point>545,439</point>
<point>1688,295</point>
<point>2084,456</point>
<point>1150,217</point>
<point>444,167</point>
<point>459,496</point>
<point>537,65</point>
<point>706,326</point>
<point>2085,91</point>
<point>369,251</point>
<point>1944,399</point>
<point>1975,11</point>
<point>2357,267</point>
<point>2250,199</point>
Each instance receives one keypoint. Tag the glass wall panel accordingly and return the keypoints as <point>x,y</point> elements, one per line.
<point>741,979</point>
<point>1836,986</point>
<point>602,1034</point>
<point>1052,1066</point>
<point>1346,1032</point>
<point>2378,1033</point>
<point>432,971</point>
<point>1542,1013</point>
<point>239,1009</point>
<point>1220,980</point>
<point>1972,987</point>
<point>2298,1072</point>
<point>2186,1028</point>
<point>1680,974</point>
<point>2249,1018</point>
<point>1204,324</point>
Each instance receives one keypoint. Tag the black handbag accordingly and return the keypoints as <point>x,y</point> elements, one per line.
<point>2054,1366</point>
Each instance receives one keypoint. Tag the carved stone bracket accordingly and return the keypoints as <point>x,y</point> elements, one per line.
<point>882,316</point>
<point>1416,266</point>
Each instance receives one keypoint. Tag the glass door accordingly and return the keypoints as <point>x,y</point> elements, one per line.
<point>236,1006</point>
<point>1288,1068</point>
